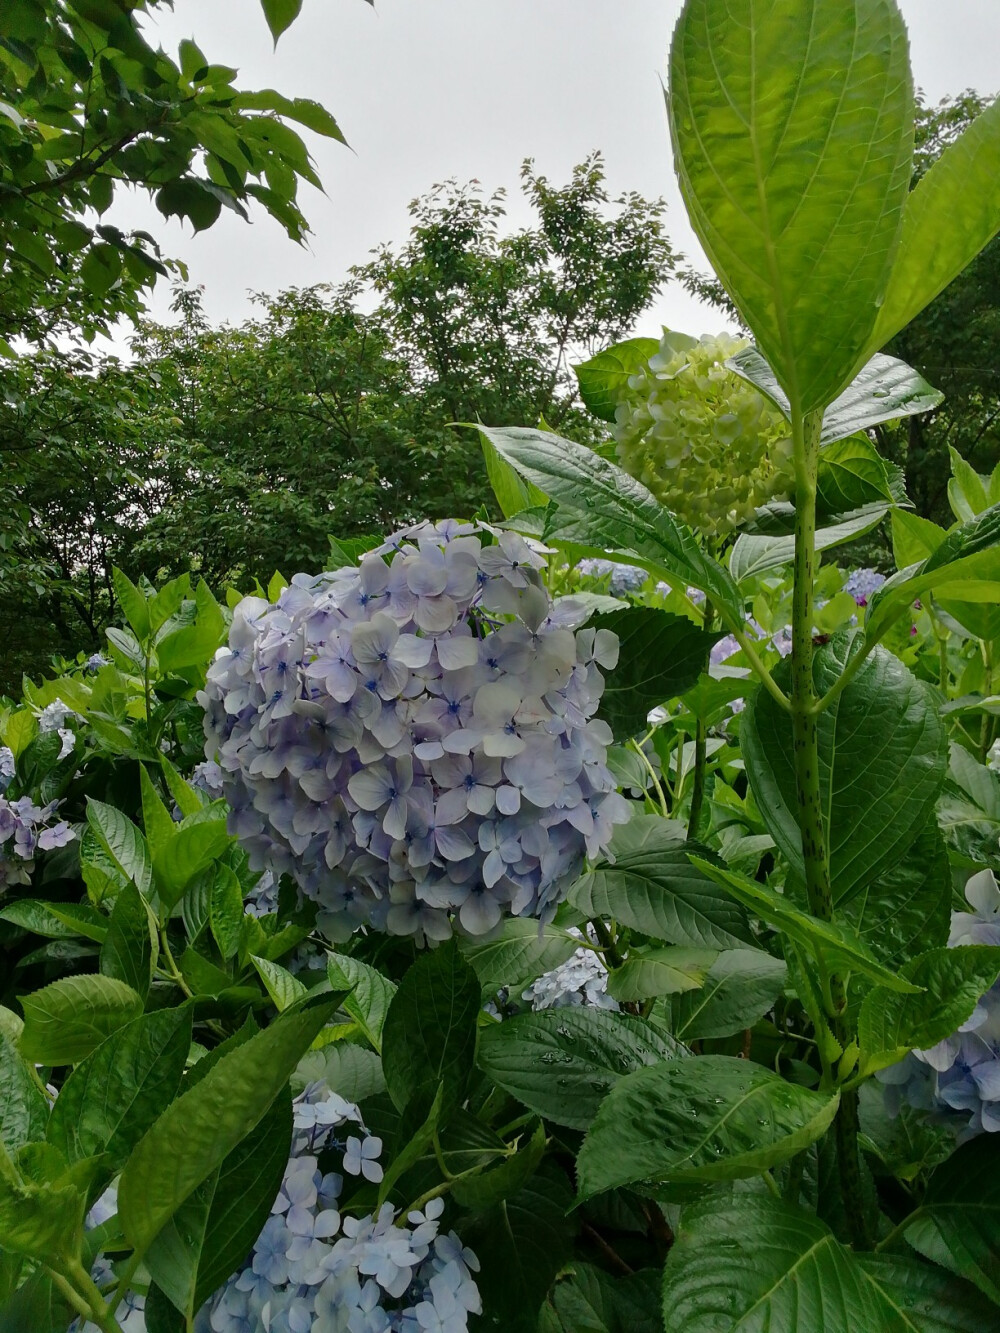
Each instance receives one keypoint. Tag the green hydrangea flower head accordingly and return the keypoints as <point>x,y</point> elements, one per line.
<point>704,441</point>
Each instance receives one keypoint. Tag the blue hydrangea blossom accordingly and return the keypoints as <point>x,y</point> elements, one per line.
<point>414,739</point>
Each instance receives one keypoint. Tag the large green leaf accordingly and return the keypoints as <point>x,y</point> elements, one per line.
<point>851,474</point>
<point>958,1223</point>
<point>112,1098</point>
<point>210,1119</point>
<point>839,944</point>
<point>590,1301</point>
<point>650,972</point>
<point>603,380</point>
<point>741,986</point>
<point>123,842</point>
<point>950,216</point>
<point>927,1299</point>
<point>706,1119</point>
<point>212,1232</point>
<point>601,510</point>
<point>522,1244</point>
<point>66,1020</point>
<point>761,1265</point>
<point>753,554</point>
<point>908,908</point>
<point>660,656</point>
<point>429,1033</point>
<point>195,845</point>
<point>131,945</point>
<point>792,129</point>
<point>352,1071</point>
<point>885,389</point>
<point>649,884</point>
<point>522,951</point>
<point>882,754</point>
<point>23,1108</point>
<point>561,1062</point>
<point>511,492</point>
<point>953,982</point>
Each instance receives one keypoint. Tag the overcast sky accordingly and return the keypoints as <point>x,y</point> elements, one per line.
<point>429,89</point>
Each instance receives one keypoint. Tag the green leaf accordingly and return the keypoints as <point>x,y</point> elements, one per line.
<point>417,1144</point>
<point>561,1062</point>
<point>953,212</point>
<point>925,1299</point>
<point>123,842</point>
<point>19,731</point>
<point>42,1205</point>
<point>520,953</point>
<point>57,921</point>
<point>429,1033</point>
<point>885,389</point>
<point>958,1223</point>
<point>113,1096</point>
<point>838,943</point>
<point>875,798</point>
<point>370,997</point>
<point>753,554</point>
<point>660,656</point>
<point>23,1108</point>
<point>851,474</point>
<point>793,138</point>
<point>913,538</point>
<point>280,15</point>
<point>133,604</point>
<point>522,1244</point>
<point>226,914</point>
<point>193,645</point>
<point>650,972</point>
<point>66,1020</point>
<point>741,987</point>
<point>130,948</point>
<point>706,1119</point>
<point>493,1186</point>
<point>36,1305</point>
<point>649,884</point>
<point>604,378</point>
<point>953,982</point>
<point>355,1072</point>
<point>590,1301</point>
<point>210,1235</point>
<point>761,1265</point>
<point>602,511</point>
<point>908,907</point>
<point>211,1119</point>
<point>158,825</point>
<point>511,492</point>
<point>196,843</point>
<point>966,557</point>
<point>283,988</point>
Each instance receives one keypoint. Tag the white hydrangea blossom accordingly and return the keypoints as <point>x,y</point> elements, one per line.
<point>703,440</point>
<point>414,739</point>
<point>581,980</point>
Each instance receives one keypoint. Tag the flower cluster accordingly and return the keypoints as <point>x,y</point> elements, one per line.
<point>414,740</point>
<point>53,717</point>
<point>581,980</point>
<point>703,440</point>
<point>621,578</point>
<point>26,828</point>
<point>319,1267</point>
<point>959,1078</point>
<point>863,584</point>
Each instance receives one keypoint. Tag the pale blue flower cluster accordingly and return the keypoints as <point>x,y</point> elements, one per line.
<point>959,1078</point>
<point>414,739</point>
<point>8,767</point>
<point>863,584</point>
<point>26,828</point>
<point>581,980</point>
<point>622,578</point>
<point>321,1265</point>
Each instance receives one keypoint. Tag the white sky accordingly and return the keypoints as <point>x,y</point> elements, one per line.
<point>428,89</point>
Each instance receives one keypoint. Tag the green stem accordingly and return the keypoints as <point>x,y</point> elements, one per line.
<point>101,1314</point>
<point>70,1293</point>
<point>609,948</point>
<point>125,1280</point>
<point>849,1159</point>
<point>766,679</point>
<point>661,797</point>
<point>172,970</point>
<point>805,736</point>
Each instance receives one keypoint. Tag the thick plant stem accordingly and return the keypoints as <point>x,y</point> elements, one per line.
<point>805,738</point>
<point>805,742</point>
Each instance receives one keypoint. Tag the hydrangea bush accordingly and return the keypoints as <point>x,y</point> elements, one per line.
<point>414,740</point>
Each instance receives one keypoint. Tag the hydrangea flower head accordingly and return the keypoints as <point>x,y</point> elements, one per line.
<point>959,1078</point>
<point>703,440</point>
<point>621,578</point>
<point>863,584</point>
<point>414,739</point>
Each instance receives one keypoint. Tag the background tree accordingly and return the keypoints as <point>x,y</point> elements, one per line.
<point>88,106</point>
